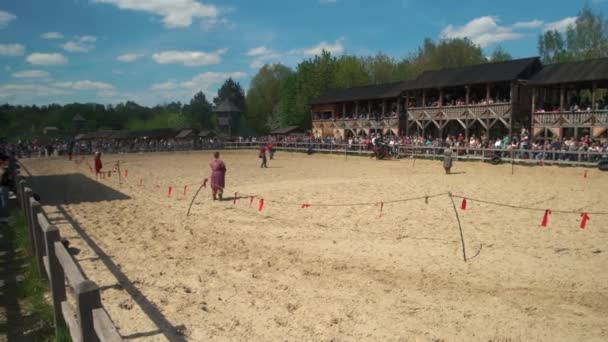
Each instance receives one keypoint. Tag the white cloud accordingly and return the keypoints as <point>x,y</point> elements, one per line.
<point>84,85</point>
<point>189,58</point>
<point>52,35</point>
<point>335,48</point>
<point>129,57</point>
<point>175,13</point>
<point>80,44</point>
<point>258,51</point>
<point>529,24</point>
<point>11,49</point>
<point>169,85</point>
<point>46,59</point>
<point>6,18</point>
<point>31,74</point>
<point>207,82</point>
<point>482,31</point>
<point>560,25</point>
<point>30,90</point>
<point>208,24</point>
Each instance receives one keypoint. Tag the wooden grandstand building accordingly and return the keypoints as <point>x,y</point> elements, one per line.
<point>491,99</point>
<point>571,100</point>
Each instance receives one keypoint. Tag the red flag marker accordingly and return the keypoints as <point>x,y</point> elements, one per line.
<point>463,205</point>
<point>185,189</point>
<point>236,194</point>
<point>170,190</point>
<point>545,220</point>
<point>584,219</point>
<point>305,205</point>
<point>261,206</point>
<point>126,173</point>
<point>381,204</point>
<point>585,174</point>
<point>250,200</point>
<point>541,163</point>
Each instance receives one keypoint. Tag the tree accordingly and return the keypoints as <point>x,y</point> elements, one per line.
<point>264,95</point>
<point>500,55</point>
<point>231,91</point>
<point>587,38</point>
<point>199,111</point>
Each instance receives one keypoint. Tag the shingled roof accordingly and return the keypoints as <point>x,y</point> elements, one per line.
<point>226,107</point>
<point>369,92</point>
<point>477,74</point>
<point>573,72</point>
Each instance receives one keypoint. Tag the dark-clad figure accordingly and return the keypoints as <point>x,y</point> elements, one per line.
<point>447,160</point>
<point>218,176</point>
<point>263,157</point>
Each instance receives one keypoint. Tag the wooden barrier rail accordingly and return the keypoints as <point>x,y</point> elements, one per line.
<point>86,319</point>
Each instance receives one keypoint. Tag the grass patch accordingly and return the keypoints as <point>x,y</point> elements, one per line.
<point>33,290</point>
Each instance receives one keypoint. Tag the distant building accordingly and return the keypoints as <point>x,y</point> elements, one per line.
<point>228,117</point>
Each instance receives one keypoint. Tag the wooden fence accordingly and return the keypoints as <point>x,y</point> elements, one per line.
<point>86,319</point>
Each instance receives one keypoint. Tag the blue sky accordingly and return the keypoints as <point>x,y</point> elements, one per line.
<point>156,51</point>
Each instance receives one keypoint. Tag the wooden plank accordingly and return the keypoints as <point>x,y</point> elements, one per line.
<point>72,272</point>
<point>43,221</point>
<point>104,327</point>
<point>56,276</point>
<point>47,268</point>
<point>70,319</point>
<point>87,300</point>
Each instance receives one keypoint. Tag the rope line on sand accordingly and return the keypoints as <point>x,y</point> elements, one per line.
<point>376,203</point>
<point>506,205</point>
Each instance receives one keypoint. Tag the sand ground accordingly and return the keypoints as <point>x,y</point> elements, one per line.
<point>229,272</point>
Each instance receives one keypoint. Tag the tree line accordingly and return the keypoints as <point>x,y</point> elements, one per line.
<point>279,95</point>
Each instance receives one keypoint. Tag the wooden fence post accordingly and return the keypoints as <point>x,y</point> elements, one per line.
<point>56,276</point>
<point>27,194</point>
<point>87,299</point>
<point>38,242</point>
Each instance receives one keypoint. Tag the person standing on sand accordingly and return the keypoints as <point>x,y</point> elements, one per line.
<point>263,157</point>
<point>270,150</point>
<point>98,164</point>
<point>218,176</point>
<point>447,160</point>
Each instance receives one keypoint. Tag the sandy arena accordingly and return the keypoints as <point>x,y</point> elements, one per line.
<point>231,273</point>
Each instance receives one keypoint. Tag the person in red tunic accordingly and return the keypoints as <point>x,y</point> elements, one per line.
<point>98,164</point>
<point>218,176</point>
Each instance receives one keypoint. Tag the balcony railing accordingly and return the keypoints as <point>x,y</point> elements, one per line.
<point>587,118</point>
<point>458,112</point>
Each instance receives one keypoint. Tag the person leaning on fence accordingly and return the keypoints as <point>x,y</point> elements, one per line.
<point>218,176</point>
<point>447,160</point>
<point>263,157</point>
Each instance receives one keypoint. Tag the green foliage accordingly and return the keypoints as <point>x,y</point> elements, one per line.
<point>264,95</point>
<point>32,290</point>
<point>587,38</point>
<point>500,55</point>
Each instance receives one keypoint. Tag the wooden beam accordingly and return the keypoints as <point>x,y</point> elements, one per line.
<point>468,94</point>
<point>70,318</point>
<point>71,270</point>
<point>104,327</point>
<point>562,89</point>
<point>533,100</point>
<point>56,275</point>
<point>423,98</point>
<point>87,299</point>
<point>487,93</point>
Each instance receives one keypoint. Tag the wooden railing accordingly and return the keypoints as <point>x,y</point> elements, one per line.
<point>571,118</point>
<point>457,112</point>
<point>83,314</point>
